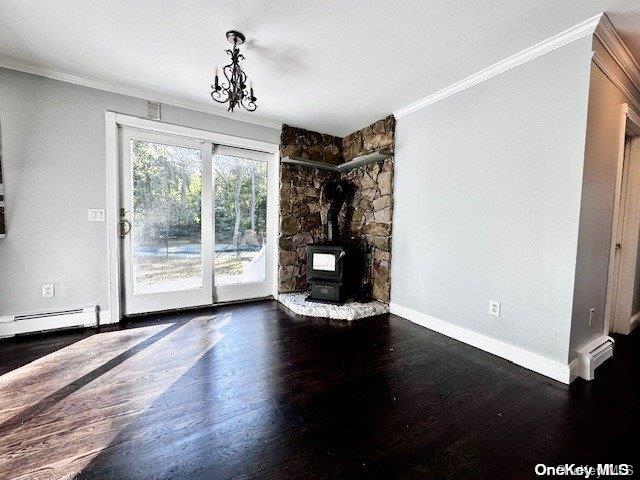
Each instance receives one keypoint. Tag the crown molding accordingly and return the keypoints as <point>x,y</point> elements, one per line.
<point>563,38</point>
<point>602,65</point>
<point>612,42</point>
<point>122,89</point>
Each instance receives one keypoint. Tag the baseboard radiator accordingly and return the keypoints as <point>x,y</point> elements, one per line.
<point>11,325</point>
<point>594,354</point>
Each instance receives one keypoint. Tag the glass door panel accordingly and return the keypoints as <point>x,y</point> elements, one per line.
<point>240,193</point>
<point>166,224</point>
<point>166,221</point>
<point>242,201</point>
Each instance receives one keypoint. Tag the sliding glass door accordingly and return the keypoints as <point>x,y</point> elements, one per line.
<point>166,221</point>
<point>195,224</point>
<point>242,256</point>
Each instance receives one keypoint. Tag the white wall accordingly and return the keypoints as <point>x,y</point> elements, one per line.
<point>488,186</point>
<point>604,124</point>
<point>54,170</point>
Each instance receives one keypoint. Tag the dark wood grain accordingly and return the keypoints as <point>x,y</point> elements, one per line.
<point>252,391</point>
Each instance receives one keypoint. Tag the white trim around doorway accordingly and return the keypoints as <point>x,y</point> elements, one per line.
<point>630,119</point>
<point>113,121</point>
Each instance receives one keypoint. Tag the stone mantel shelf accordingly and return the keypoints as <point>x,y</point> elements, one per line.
<point>362,160</point>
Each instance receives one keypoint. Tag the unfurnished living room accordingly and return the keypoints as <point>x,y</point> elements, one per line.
<point>318,239</point>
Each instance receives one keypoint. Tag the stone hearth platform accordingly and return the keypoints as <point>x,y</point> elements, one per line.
<point>349,311</point>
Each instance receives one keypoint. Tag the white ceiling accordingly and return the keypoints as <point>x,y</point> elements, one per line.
<point>329,65</point>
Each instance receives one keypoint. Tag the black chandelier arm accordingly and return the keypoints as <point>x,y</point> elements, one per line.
<point>233,89</point>
<point>219,97</point>
<point>248,105</point>
<point>248,102</point>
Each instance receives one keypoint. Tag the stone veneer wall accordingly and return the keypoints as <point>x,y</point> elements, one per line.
<point>369,214</point>
<point>300,191</point>
<point>366,216</point>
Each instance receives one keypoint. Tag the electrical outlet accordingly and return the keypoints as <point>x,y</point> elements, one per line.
<point>592,315</point>
<point>494,308</point>
<point>47,290</point>
<point>96,215</point>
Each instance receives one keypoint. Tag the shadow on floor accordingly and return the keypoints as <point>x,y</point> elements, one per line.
<point>50,401</point>
<point>18,351</point>
<point>283,396</point>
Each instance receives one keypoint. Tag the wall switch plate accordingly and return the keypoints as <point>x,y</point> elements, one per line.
<point>494,308</point>
<point>47,290</point>
<point>96,215</point>
<point>592,314</point>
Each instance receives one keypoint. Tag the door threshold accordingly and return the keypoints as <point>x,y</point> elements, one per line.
<point>198,307</point>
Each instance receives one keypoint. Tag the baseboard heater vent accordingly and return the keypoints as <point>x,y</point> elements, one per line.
<point>11,325</point>
<point>593,354</point>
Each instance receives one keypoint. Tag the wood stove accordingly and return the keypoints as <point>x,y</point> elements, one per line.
<point>326,262</point>
<point>325,272</point>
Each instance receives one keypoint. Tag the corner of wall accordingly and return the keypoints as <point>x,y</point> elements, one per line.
<point>300,200</point>
<point>611,85</point>
<point>366,217</point>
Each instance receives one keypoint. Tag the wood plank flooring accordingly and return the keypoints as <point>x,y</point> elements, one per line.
<point>252,391</point>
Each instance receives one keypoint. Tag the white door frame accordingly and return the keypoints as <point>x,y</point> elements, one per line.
<point>630,123</point>
<point>237,291</point>
<point>113,121</point>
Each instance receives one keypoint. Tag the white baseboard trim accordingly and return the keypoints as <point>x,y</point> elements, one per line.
<point>536,362</point>
<point>104,317</point>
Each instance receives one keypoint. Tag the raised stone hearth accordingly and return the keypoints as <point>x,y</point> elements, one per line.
<point>349,311</point>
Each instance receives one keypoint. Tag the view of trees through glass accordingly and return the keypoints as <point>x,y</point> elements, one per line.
<point>167,198</point>
<point>240,218</point>
<point>167,208</point>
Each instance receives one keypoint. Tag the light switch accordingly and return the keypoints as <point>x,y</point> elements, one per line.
<point>96,215</point>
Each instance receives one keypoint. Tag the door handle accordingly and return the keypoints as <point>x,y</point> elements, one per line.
<point>125,227</point>
<point>618,246</point>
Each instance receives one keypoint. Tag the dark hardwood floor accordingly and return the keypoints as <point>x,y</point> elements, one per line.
<point>252,391</point>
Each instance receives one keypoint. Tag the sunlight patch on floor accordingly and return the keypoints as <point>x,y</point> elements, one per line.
<point>31,383</point>
<point>74,429</point>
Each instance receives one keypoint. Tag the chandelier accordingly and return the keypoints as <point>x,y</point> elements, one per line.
<point>234,89</point>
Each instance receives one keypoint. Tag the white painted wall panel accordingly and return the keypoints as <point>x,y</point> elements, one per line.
<point>488,186</point>
<point>54,170</point>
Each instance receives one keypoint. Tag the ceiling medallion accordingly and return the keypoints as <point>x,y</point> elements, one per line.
<point>234,89</point>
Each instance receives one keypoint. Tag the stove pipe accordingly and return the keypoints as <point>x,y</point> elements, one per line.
<point>336,192</point>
